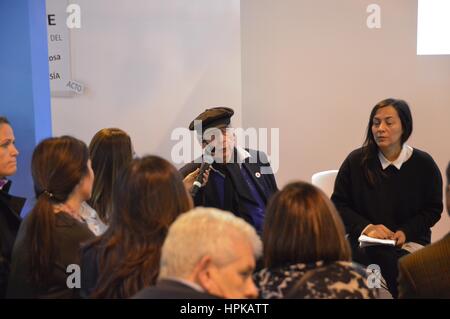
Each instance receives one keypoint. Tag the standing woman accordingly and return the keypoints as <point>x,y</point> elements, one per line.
<point>49,239</point>
<point>148,196</point>
<point>388,190</point>
<point>10,206</point>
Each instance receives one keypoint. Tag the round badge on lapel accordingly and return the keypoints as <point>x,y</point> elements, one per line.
<point>258,174</point>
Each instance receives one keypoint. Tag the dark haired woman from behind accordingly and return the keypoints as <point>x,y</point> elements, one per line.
<point>50,237</point>
<point>110,151</point>
<point>148,196</point>
<point>303,233</point>
<point>388,190</point>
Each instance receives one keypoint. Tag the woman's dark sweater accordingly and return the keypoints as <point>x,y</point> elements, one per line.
<point>409,199</point>
<point>68,236</point>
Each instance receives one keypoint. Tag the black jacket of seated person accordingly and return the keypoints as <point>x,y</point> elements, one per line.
<point>68,236</point>
<point>172,289</point>
<point>10,208</point>
<point>242,190</point>
<point>407,199</point>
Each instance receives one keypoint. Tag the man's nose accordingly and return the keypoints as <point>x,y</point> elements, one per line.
<point>251,291</point>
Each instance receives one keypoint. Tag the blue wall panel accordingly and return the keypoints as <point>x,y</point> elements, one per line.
<point>24,82</point>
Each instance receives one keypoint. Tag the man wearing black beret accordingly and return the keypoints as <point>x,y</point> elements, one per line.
<point>236,181</point>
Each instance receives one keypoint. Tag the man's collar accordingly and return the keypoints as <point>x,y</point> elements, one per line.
<point>242,154</point>
<point>188,283</point>
<point>404,155</point>
<point>4,184</point>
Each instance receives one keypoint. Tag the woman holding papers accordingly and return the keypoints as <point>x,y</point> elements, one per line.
<point>388,190</point>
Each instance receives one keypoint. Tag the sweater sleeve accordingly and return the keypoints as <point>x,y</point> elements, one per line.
<point>342,199</point>
<point>432,210</point>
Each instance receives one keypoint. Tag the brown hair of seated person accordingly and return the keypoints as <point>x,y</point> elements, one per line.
<point>303,226</point>
<point>58,166</point>
<point>148,196</point>
<point>110,150</point>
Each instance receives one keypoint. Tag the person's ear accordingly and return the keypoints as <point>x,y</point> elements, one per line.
<point>203,273</point>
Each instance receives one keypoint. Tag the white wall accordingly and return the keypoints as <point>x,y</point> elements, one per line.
<point>151,66</point>
<point>309,67</point>
<point>313,69</point>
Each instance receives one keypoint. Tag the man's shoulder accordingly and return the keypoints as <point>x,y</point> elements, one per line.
<point>171,289</point>
<point>259,156</point>
<point>428,255</point>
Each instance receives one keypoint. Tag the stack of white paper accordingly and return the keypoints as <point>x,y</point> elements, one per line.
<point>365,241</point>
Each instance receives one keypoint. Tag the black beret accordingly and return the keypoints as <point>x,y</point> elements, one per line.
<point>213,117</point>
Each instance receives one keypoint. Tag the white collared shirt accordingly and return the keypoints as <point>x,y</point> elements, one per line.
<point>405,155</point>
<point>242,155</point>
<point>90,217</point>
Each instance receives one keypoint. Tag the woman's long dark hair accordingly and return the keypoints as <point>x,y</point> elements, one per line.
<point>57,166</point>
<point>370,147</point>
<point>303,226</point>
<point>148,196</point>
<point>110,150</point>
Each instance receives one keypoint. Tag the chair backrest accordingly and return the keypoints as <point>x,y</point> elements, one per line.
<point>325,180</point>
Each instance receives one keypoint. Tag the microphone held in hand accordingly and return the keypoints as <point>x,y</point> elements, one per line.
<point>207,161</point>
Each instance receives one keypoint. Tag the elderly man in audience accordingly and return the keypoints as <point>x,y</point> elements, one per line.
<point>208,253</point>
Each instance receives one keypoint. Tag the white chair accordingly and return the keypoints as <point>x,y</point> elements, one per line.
<point>325,181</point>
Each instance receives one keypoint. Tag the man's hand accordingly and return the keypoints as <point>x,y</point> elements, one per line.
<point>379,231</point>
<point>400,238</point>
<point>191,177</point>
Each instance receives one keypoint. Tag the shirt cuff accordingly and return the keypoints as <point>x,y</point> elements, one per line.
<point>365,228</point>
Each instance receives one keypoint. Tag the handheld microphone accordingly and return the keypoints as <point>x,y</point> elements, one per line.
<point>207,161</point>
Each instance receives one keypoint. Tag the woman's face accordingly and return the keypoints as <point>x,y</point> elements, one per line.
<point>8,151</point>
<point>387,128</point>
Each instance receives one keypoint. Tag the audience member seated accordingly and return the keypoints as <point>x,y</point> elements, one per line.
<point>339,280</point>
<point>388,190</point>
<point>10,206</point>
<point>304,232</point>
<point>49,238</point>
<point>425,273</point>
<point>208,253</point>
<point>148,196</point>
<point>110,151</point>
